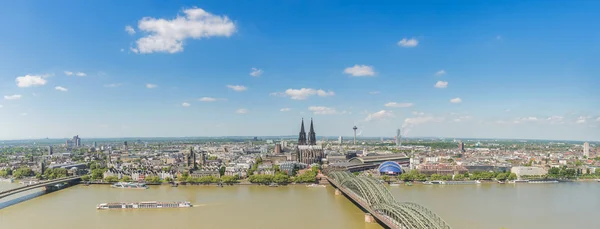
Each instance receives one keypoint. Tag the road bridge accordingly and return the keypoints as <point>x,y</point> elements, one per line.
<point>43,184</point>
<point>376,200</point>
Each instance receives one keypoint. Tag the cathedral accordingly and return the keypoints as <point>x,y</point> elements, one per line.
<point>307,151</point>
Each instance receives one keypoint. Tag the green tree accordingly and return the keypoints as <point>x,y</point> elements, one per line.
<point>169,179</point>
<point>435,177</point>
<point>502,176</point>
<point>512,176</point>
<point>85,178</point>
<point>281,178</point>
<point>23,172</point>
<point>111,179</point>
<point>125,179</point>
<point>229,179</point>
<point>153,179</point>
<point>459,177</point>
<point>222,170</point>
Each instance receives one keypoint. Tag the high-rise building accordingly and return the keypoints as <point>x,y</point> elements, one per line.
<point>461,146</point>
<point>340,140</point>
<point>308,152</point>
<point>50,151</point>
<point>76,141</point>
<point>586,149</point>
<point>95,145</point>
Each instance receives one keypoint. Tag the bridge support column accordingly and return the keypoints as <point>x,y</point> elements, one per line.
<point>369,218</point>
<point>338,192</point>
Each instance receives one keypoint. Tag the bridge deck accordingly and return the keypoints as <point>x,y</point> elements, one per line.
<point>13,191</point>
<point>383,220</point>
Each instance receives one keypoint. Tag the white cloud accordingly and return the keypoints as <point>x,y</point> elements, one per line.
<point>169,35</point>
<point>211,99</point>
<point>529,119</point>
<point>379,115</point>
<point>150,86</point>
<point>122,50</point>
<point>395,104</point>
<point>185,104</point>
<point>59,88</point>
<point>133,50</point>
<point>241,111</point>
<point>555,119</point>
<point>23,114</point>
<point>441,84</point>
<point>418,113</point>
<point>303,93</point>
<point>580,120</point>
<point>1,106</point>
<point>360,70</point>
<point>237,87</point>
<point>129,30</point>
<point>113,85</point>
<point>80,74</point>
<point>12,97</point>
<point>421,120</point>
<point>320,110</point>
<point>440,72</point>
<point>408,43</point>
<point>598,119</point>
<point>374,92</point>
<point>285,109</point>
<point>68,73</point>
<point>256,72</point>
<point>456,100</point>
<point>30,81</point>
<point>507,110</point>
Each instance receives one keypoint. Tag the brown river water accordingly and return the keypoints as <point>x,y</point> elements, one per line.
<point>510,206</point>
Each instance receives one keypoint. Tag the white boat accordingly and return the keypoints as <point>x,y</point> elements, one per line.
<point>433,182</point>
<point>542,181</point>
<point>129,185</point>
<point>315,186</point>
<point>7,180</point>
<point>462,182</point>
<point>146,204</point>
<point>394,185</point>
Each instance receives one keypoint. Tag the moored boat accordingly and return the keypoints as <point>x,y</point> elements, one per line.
<point>315,186</point>
<point>129,185</point>
<point>145,204</point>
<point>273,185</point>
<point>542,181</point>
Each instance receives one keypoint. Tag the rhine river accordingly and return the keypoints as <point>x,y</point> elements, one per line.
<point>495,206</point>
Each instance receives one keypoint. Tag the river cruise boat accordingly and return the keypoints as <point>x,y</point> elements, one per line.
<point>462,182</point>
<point>146,204</point>
<point>542,181</point>
<point>433,182</point>
<point>315,186</point>
<point>518,181</point>
<point>129,185</point>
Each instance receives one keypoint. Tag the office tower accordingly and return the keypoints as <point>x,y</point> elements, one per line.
<point>586,149</point>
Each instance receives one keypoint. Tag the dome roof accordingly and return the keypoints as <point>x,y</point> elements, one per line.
<point>390,167</point>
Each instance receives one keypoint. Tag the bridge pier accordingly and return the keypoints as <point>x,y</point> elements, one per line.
<point>338,192</point>
<point>369,218</point>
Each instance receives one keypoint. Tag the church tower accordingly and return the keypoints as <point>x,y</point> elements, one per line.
<point>302,136</point>
<point>312,136</point>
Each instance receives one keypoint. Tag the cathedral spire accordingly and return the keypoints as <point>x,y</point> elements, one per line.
<point>302,135</point>
<point>312,138</point>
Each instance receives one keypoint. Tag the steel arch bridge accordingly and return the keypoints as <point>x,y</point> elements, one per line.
<point>404,215</point>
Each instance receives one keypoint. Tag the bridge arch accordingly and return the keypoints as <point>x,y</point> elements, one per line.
<point>380,200</point>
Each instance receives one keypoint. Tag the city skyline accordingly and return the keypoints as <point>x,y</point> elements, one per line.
<point>453,71</point>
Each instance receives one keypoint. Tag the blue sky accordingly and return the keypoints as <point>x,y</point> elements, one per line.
<point>506,69</point>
